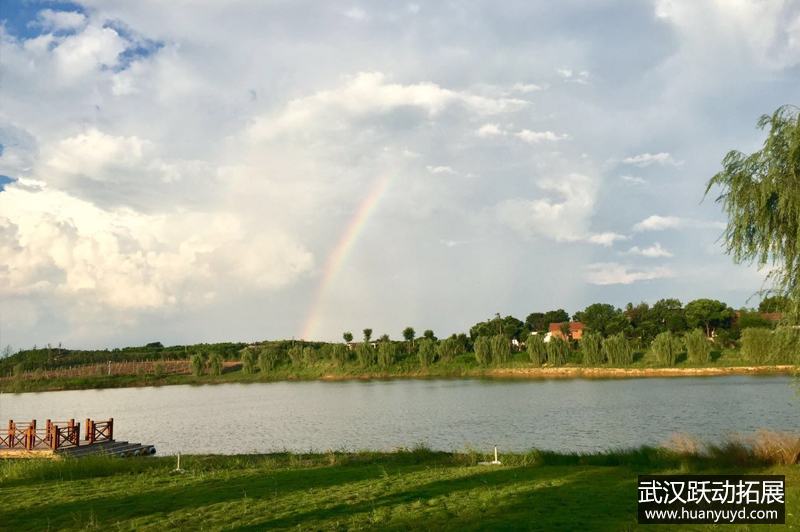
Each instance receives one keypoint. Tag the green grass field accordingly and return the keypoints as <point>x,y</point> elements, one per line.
<point>407,490</point>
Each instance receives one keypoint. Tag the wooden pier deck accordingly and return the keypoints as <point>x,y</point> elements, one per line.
<point>63,439</point>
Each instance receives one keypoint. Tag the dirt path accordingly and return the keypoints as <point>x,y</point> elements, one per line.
<point>610,373</point>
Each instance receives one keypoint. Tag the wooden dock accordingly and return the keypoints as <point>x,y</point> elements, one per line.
<point>63,439</point>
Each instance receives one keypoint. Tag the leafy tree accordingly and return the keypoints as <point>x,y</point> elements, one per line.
<point>248,362</point>
<point>710,314</point>
<point>537,349</point>
<point>365,355</point>
<point>750,318</point>
<point>509,326</point>
<point>6,352</point>
<point>339,354</point>
<point>617,350</point>
<point>447,349</point>
<point>215,364</point>
<point>309,355</point>
<point>429,335</point>
<point>157,345</point>
<point>600,317</point>
<point>501,349</point>
<point>666,347</point>
<point>483,350</point>
<point>408,336</point>
<point>384,338</point>
<point>197,364</point>
<point>386,354</point>
<point>756,345</point>
<point>540,321</point>
<point>296,355</point>
<point>592,348</point>
<point>427,352</point>
<point>557,351</point>
<point>774,304</point>
<point>367,335</point>
<point>785,344</point>
<point>267,358</point>
<point>348,337</point>
<point>697,347</point>
<point>761,196</point>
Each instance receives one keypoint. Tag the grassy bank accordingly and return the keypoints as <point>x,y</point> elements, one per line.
<point>726,362</point>
<point>405,490</point>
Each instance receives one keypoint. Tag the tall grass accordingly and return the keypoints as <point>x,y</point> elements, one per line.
<point>365,355</point>
<point>483,350</point>
<point>592,348</point>
<point>537,349</point>
<point>666,347</point>
<point>557,351</point>
<point>339,354</point>
<point>617,350</point>
<point>427,352</point>
<point>501,349</point>
<point>296,355</point>
<point>248,362</point>
<point>309,355</point>
<point>386,354</point>
<point>756,345</point>
<point>697,346</point>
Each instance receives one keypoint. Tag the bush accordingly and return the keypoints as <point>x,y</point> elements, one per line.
<point>267,359</point>
<point>557,351</point>
<point>483,350</point>
<point>427,352</point>
<point>447,350</point>
<point>617,350</point>
<point>309,355</point>
<point>592,348</point>
<point>501,349</point>
<point>785,346</point>
<point>158,370</point>
<point>365,355</point>
<point>756,345</point>
<point>666,347</point>
<point>537,349</point>
<point>697,347</point>
<point>248,362</point>
<point>215,364</point>
<point>197,364</point>
<point>386,354</point>
<point>340,354</point>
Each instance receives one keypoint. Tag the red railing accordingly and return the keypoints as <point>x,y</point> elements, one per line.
<point>56,434</point>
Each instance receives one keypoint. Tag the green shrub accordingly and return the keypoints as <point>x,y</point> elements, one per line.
<point>483,350</point>
<point>501,349</point>
<point>557,351</point>
<point>197,364</point>
<point>325,352</point>
<point>386,354</point>
<point>592,348</point>
<point>309,355</point>
<point>296,355</point>
<point>697,346</point>
<point>785,346</point>
<point>158,370</point>
<point>215,364</point>
<point>427,352</point>
<point>248,362</point>
<point>666,347</point>
<point>756,345</point>
<point>365,355</point>
<point>537,349</point>
<point>447,349</point>
<point>339,354</point>
<point>267,359</point>
<point>19,370</point>
<point>617,350</point>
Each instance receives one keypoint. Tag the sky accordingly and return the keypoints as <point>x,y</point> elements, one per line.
<point>204,171</point>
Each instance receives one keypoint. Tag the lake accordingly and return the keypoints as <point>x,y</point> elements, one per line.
<point>447,414</point>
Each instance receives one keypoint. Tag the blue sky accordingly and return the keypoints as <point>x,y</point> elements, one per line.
<point>182,174</point>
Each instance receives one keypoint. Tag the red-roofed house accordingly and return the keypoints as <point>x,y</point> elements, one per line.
<point>575,330</point>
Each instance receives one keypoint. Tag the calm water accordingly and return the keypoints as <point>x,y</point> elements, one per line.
<point>575,415</point>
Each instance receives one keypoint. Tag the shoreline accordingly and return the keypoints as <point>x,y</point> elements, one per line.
<point>526,373</point>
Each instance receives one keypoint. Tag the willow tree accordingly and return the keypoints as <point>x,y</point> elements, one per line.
<point>761,196</point>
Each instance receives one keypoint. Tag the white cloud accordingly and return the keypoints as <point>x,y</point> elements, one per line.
<point>525,88</point>
<point>654,251</point>
<point>633,180</point>
<point>605,239</point>
<point>440,170</point>
<point>413,8</point>
<point>534,137</point>
<point>489,130</point>
<point>93,48</point>
<point>60,20</point>
<point>356,13</point>
<point>564,72</point>
<point>608,273</point>
<point>658,223</point>
<point>647,159</point>
<point>453,243</point>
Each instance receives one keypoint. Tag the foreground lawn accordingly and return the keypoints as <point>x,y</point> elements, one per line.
<point>412,490</point>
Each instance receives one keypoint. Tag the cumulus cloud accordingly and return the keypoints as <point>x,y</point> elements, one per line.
<point>647,159</point>
<point>608,273</point>
<point>535,137</point>
<point>489,130</point>
<point>660,223</point>
<point>654,251</point>
<point>633,180</point>
<point>60,20</point>
<point>440,170</point>
<point>605,239</point>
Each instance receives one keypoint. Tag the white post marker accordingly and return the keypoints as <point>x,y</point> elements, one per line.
<point>496,461</point>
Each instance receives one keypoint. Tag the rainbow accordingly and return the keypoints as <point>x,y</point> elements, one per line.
<point>338,254</point>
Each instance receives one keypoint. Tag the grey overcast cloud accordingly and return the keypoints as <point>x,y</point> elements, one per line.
<point>214,171</point>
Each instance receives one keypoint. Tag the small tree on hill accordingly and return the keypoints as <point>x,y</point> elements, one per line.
<point>483,350</point>
<point>367,335</point>
<point>348,337</point>
<point>409,335</point>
